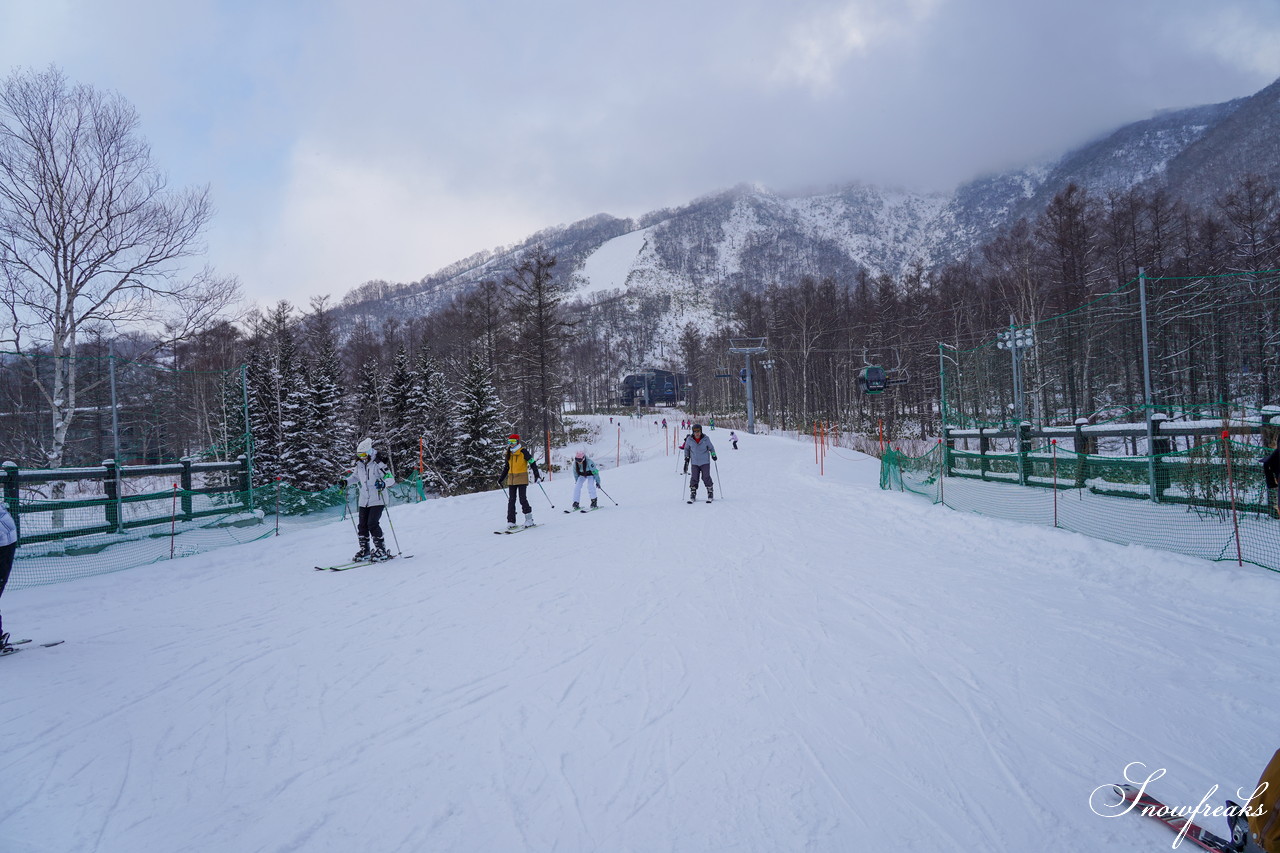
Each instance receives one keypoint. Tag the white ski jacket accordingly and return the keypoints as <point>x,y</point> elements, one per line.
<point>366,475</point>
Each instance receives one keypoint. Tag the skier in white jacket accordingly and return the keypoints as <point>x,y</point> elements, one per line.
<point>371,475</point>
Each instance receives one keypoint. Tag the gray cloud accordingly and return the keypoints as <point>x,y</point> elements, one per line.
<point>346,140</point>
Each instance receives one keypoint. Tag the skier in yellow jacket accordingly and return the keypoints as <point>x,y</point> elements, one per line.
<point>517,469</point>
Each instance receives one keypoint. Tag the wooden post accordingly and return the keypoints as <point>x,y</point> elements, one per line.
<point>1024,447</point>
<point>243,486</point>
<point>1082,453</point>
<point>186,489</point>
<point>1159,446</point>
<point>11,495</point>
<point>1053,442</point>
<point>113,507</point>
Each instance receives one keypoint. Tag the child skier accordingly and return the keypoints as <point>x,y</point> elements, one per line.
<point>699,450</point>
<point>8,547</point>
<point>585,471</point>
<point>733,436</point>
<point>371,475</point>
<point>518,465</point>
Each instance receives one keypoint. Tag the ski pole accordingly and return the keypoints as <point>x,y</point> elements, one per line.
<point>346,504</point>
<point>718,480</point>
<point>545,495</point>
<point>606,494</point>
<point>386,508</point>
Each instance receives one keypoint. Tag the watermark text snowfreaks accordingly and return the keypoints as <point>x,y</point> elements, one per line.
<point>1100,802</point>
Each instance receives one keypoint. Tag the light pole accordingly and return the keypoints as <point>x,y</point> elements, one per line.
<point>1016,340</point>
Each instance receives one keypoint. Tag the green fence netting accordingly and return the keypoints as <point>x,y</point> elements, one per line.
<point>1209,501</point>
<point>91,535</point>
<point>1211,348</point>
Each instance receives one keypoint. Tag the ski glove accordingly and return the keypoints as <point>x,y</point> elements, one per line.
<point>597,482</point>
<point>713,456</point>
<point>380,484</point>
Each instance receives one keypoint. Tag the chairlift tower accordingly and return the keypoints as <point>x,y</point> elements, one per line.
<point>747,347</point>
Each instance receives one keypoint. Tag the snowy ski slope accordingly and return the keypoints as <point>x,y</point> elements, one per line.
<point>807,664</point>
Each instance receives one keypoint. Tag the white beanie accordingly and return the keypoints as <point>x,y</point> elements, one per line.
<point>365,446</point>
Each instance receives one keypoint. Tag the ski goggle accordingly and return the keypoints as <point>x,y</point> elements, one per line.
<point>513,441</point>
<point>362,455</point>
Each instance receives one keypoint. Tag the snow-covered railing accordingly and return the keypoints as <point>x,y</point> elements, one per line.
<point>189,501</point>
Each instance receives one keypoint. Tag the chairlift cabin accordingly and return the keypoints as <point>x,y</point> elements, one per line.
<point>872,379</point>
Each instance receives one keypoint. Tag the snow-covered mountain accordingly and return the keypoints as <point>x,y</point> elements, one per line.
<point>752,236</point>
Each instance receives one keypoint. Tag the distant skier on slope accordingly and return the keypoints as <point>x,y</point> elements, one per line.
<point>517,467</point>
<point>371,475</point>
<point>699,451</point>
<point>733,437</point>
<point>8,547</point>
<point>585,471</point>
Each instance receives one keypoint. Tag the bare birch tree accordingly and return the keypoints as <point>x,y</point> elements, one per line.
<point>91,237</point>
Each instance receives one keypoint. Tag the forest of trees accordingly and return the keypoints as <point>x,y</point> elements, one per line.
<point>439,392</point>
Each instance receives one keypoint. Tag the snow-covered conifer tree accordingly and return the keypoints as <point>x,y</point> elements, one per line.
<point>434,410</point>
<point>481,420</point>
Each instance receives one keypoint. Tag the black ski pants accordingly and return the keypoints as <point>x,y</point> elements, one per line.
<point>513,492</point>
<point>704,471</point>
<point>6,566</point>
<point>370,518</point>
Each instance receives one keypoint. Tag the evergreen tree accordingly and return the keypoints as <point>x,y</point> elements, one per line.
<point>369,404</point>
<point>333,437</point>
<point>480,428</point>
<point>434,411</point>
<point>402,427</point>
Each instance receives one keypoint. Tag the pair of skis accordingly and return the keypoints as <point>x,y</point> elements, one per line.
<point>1204,839</point>
<point>584,511</point>
<point>13,649</point>
<point>342,567</point>
<point>520,529</point>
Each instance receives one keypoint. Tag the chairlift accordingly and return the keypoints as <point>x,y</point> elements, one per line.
<point>723,373</point>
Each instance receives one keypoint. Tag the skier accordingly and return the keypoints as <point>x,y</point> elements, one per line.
<point>664,423</point>
<point>585,471</point>
<point>516,468</point>
<point>699,450</point>
<point>8,547</point>
<point>733,436</point>
<point>371,475</point>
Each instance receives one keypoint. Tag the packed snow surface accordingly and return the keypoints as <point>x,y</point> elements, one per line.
<point>809,663</point>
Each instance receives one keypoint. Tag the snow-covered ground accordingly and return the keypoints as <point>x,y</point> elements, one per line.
<point>809,663</point>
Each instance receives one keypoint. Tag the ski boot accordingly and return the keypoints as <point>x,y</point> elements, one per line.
<point>710,494</point>
<point>528,519</point>
<point>379,552</point>
<point>5,648</point>
<point>593,504</point>
<point>363,553</point>
<point>575,505</point>
<point>693,495</point>
<point>513,527</point>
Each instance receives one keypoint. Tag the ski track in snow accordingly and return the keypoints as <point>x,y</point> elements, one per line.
<point>808,663</point>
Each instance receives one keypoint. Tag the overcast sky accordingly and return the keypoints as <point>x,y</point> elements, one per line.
<point>351,140</point>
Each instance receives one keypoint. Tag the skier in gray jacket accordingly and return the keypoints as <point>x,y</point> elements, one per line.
<point>699,450</point>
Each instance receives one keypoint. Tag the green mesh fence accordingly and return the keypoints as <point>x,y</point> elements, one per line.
<point>1211,345</point>
<point>1209,501</point>
<point>75,538</point>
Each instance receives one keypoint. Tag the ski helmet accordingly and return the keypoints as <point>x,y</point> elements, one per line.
<point>365,447</point>
<point>579,455</point>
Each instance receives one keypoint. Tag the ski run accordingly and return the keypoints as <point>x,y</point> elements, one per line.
<point>814,665</point>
